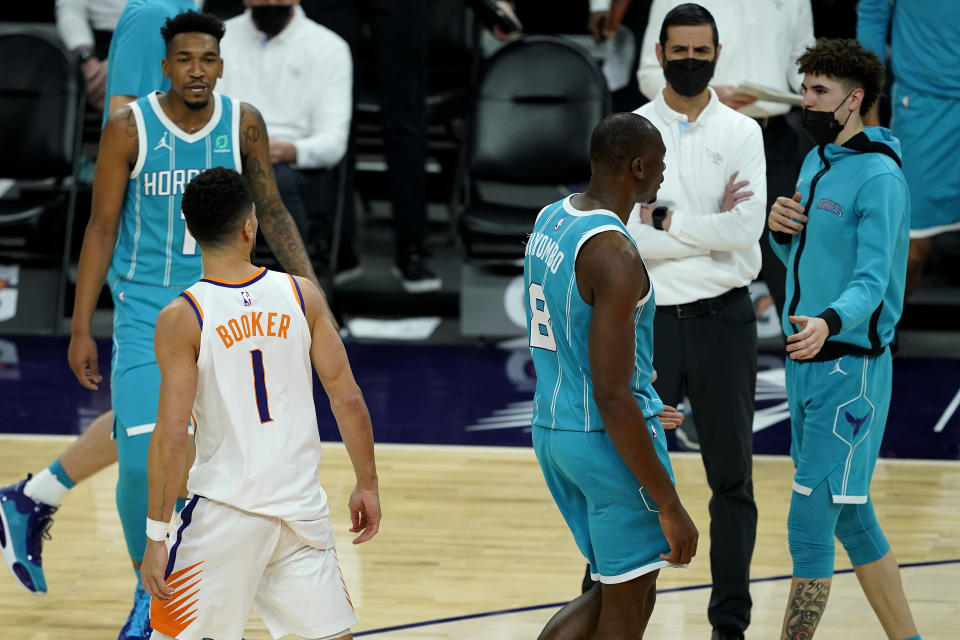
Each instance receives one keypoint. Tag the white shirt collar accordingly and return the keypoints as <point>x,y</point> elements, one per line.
<point>671,116</point>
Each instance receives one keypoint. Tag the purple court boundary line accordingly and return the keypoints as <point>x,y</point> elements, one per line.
<point>500,612</point>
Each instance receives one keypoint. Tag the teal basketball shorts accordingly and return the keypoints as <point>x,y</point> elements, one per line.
<point>614,521</point>
<point>135,378</point>
<point>838,412</point>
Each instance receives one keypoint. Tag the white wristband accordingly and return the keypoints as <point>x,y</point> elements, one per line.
<point>157,531</point>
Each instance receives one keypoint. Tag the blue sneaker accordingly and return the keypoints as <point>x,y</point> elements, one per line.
<point>24,525</point>
<point>138,623</point>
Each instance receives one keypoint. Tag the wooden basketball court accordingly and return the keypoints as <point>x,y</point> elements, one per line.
<point>472,547</point>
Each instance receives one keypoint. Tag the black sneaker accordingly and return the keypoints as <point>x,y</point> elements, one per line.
<point>414,275</point>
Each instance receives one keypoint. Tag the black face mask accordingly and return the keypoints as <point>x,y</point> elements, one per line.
<point>689,76</point>
<point>821,126</point>
<point>271,19</point>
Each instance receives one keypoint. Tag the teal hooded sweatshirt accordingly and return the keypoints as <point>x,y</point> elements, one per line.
<point>849,264</point>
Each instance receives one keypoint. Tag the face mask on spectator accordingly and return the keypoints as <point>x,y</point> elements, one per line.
<point>821,126</point>
<point>271,19</point>
<point>689,76</point>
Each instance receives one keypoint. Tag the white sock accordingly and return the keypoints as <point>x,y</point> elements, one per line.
<point>44,487</point>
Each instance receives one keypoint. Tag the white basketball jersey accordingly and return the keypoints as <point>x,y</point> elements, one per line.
<point>258,448</point>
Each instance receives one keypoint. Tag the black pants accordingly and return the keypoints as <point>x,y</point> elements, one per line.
<point>399,57</point>
<point>713,360</point>
<point>784,145</point>
<point>310,196</point>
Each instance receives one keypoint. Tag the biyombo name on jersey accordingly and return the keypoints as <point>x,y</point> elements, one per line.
<point>168,182</point>
<point>545,248</point>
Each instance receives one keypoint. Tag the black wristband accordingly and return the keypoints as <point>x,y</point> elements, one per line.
<point>659,215</point>
<point>833,320</point>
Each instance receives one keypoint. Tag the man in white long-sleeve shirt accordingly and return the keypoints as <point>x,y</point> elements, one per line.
<point>700,243</point>
<point>300,75</point>
<point>761,43</point>
<point>85,27</point>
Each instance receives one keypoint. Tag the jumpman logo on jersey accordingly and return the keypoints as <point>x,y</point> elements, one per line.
<point>163,144</point>
<point>836,368</point>
<point>856,423</point>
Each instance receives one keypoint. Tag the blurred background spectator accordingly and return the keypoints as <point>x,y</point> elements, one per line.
<point>300,76</point>
<point>86,27</point>
<point>925,97</point>
<point>398,39</point>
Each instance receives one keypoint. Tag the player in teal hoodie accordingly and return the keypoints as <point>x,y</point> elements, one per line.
<point>843,237</point>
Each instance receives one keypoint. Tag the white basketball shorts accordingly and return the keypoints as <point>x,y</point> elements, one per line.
<point>224,560</point>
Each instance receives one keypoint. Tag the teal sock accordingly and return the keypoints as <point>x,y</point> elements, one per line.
<point>57,470</point>
<point>916,637</point>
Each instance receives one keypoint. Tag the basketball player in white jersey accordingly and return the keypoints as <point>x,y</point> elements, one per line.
<point>234,352</point>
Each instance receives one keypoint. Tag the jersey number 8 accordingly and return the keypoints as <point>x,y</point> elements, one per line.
<point>541,330</point>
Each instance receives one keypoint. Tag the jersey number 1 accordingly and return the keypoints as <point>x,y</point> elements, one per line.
<point>260,386</point>
<point>541,331</point>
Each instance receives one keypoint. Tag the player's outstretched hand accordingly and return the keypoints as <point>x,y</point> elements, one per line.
<point>806,344</point>
<point>364,513</point>
<point>82,357</point>
<point>680,532</point>
<point>670,418</point>
<point>786,215</point>
<point>152,570</point>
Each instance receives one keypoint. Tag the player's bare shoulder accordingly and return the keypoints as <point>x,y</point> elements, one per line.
<point>177,322</point>
<point>120,133</point>
<point>253,129</point>
<point>610,261</point>
<point>179,311</point>
<point>314,302</point>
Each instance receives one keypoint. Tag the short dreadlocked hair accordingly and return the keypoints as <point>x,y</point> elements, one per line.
<point>850,63</point>
<point>192,22</point>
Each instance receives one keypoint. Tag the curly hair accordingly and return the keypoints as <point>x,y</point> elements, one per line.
<point>192,22</point>
<point>215,203</point>
<point>849,62</point>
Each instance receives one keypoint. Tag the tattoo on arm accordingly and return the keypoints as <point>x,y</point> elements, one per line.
<point>806,607</point>
<point>130,128</point>
<point>277,225</point>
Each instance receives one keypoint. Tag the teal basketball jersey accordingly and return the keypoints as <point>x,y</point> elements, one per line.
<point>558,321</point>
<point>153,244</point>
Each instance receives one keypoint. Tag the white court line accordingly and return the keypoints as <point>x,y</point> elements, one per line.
<point>942,422</point>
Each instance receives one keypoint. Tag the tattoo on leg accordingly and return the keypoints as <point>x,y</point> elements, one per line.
<point>806,607</point>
